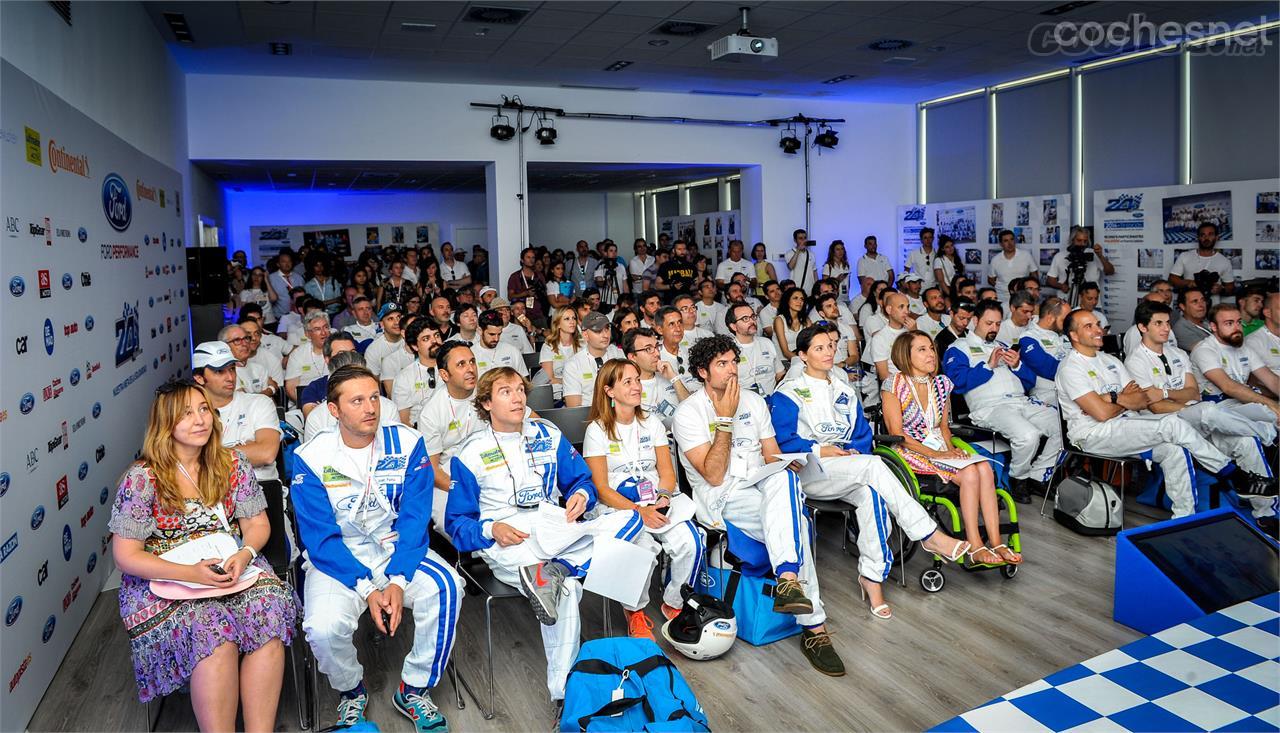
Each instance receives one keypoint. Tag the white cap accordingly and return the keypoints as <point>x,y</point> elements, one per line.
<point>212,354</point>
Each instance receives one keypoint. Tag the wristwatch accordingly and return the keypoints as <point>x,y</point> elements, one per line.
<point>1164,393</point>
<point>1113,397</point>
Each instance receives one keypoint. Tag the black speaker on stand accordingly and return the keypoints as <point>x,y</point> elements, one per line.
<point>207,291</point>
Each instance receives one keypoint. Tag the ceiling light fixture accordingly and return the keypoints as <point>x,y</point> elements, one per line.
<point>659,42</point>
<point>279,48</point>
<point>890,44</point>
<point>178,24</point>
<point>546,132</point>
<point>789,142</point>
<point>826,137</point>
<point>1066,8</point>
<point>838,79</point>
<point>409,26</point>
<point>501,128</point>
<point>618,65</point>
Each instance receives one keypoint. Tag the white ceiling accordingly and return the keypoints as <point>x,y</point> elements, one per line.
<point>956,45</point>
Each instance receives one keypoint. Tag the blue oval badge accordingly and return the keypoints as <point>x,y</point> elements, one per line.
<point>27,404</point>
<point>66,542</point>
<point>67,281</point>
<point>97,410</point>
<point>17,286</point>
<point>74,378</point>
<point>82,234</point>
<point>116,202</point>
<point>4,482</point>
<point>93,562</point>
<point>48,337</point>
<point>13,611</point>
<point>49,625</point>
<point>88,323</point>
<point>83,471</point>
<point>102,495</point>
<point>37,517</point>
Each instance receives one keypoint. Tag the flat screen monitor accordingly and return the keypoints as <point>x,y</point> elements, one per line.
<point>1217,562</point>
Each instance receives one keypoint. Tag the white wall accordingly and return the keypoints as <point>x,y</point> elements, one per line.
<point>112,65</point>
<point>855,188</point>
<point>557,220</point>
<point>264,208</point>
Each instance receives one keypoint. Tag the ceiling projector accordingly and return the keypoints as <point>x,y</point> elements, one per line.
<point>744,46</point>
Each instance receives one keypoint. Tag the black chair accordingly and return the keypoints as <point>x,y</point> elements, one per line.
<point>531,362</point>
<point>572,422</point>
<point>541,399</point>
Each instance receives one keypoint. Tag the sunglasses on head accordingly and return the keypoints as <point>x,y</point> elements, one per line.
<point>176,385</point>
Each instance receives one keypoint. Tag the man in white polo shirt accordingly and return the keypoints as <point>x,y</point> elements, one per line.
<point>270,361</point>
<point>306,363</point>
<point>249,421</point>
<point>491,352</point>
<point>1009,264</point>
<point>900,320</point>
<point>365,329</point>
<point>661,389</point>
<point>873,266</point>
<point>920,260</point>
<point>735,264</point>
<point>759,367</point>
<point>250,376</point>
<point>580,370</point>
<point>1265,342</point>
<point>1022,307</point>
<point>448,416</point>
<point>389,319</point>
<point>1226,370</point>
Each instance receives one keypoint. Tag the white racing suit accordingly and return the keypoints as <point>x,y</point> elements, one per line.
<point>362,530</point>
<point>501,477</point>
<point>809,413</point>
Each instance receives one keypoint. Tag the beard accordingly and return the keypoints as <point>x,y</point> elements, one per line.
<point>990,337</point>
<point>1236,339</point>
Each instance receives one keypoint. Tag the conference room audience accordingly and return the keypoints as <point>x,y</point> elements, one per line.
<point>230,635</point>
<point>414,385</point>
<point>562,341</point>
<point>1265,342</point>
<point>1008,264</point>
<point>1191,328</point>
<point>793,316</point>
<point>920,259</point>
<point>764,269</point>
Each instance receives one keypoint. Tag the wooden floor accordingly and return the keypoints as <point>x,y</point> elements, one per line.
<point>939,656</point>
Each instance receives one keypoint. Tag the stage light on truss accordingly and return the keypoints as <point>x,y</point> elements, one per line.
<point>546,132</point>
<point>501,128</point>
<point>789,142</point>
<point>826,138</point>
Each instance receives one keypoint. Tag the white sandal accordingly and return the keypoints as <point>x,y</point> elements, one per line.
<point>881,611</point>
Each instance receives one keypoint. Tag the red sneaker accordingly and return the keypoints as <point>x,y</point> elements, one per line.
<point>639,626</point>
<point>670,612</point>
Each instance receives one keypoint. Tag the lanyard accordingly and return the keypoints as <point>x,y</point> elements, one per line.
<point>431,375</point>
<point>217,507</point>
<point>528,454</point>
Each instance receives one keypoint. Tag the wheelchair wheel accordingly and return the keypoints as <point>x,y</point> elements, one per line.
<point>896,536</point>
<point>932,580</point>
<point>1008,571</point>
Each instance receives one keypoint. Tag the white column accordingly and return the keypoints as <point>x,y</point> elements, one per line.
<point>651,217</point>
<point>641,219</point>
<point>682,196</point>
<point>722,188</point>
<point>504,217</point>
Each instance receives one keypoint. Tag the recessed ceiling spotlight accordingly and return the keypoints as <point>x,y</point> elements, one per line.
<point>1066,8</point>
<point>890,44</point>
<point>279,48</point>
<point>936,49</point>
<point>618,65</point>
<point>481,33</point>
<point>659,42</point>
<point>838,79</point>
<point>415,27</point>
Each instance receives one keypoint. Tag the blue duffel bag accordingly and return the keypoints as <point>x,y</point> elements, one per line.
<point>625,684</point>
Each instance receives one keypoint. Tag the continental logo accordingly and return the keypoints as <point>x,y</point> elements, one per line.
<point>145,192</point>
<point>61,160</point>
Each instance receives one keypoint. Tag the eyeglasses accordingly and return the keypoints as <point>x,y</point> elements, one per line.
<point>239,340</point>
<point>748,317</point>
<point>644,349</point>
<point>176,385</point>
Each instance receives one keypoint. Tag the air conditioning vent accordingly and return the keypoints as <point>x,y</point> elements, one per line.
<point>495,16</point>
<point>682,28</point>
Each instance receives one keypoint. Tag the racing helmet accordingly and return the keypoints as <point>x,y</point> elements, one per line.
<point>705,627</point>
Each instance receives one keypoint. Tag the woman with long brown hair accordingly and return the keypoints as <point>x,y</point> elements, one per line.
<point>186,487</point>
<point>630,461</point>
<point>917,406</point>
<point>561,341</point>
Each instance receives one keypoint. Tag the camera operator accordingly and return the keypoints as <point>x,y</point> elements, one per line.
<point>610,279</point>
<point>1204,268</point>
<point>1079,263</point>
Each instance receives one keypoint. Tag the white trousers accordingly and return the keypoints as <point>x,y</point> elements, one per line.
<point>772,512</point>
<point>332,612</point>
<point>1023,422</point>
<point>685,546</point>
<point>1240,429</point>
<point>1166,439</point>
<point>867,483</point>
<point>439,500</point>
<point>560,641</point>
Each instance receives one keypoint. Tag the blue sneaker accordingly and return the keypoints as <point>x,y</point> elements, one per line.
<point>351,709</point>
<point>418,707</point>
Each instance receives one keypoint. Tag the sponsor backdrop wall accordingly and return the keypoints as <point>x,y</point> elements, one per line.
<point>1040,223</point>
<point>1147,228</point>
<point>94,319</point>
<point>343,240</point>
<point>709,233</point>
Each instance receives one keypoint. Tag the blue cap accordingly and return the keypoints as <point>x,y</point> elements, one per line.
<point>387,309</point>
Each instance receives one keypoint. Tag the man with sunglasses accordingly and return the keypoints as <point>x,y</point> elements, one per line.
<point>415,384</point>
<point>759,367</point>
<point>580,370</point>
<point>1166,373</point>
<point>505,477</point>
<point>363,498</point>
<point>672,349</point>
<point>661,389</point>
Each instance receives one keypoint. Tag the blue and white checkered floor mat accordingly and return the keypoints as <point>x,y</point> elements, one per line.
<point>1217,673</point>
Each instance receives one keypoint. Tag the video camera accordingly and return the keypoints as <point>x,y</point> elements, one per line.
<point>1205,280</point>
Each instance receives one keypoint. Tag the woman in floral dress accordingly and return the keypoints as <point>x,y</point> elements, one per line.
<point>187,486</point>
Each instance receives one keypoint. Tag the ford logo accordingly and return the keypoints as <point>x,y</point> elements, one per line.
<point>13,611</point>
<point>66,542</point>
<point>49,625</point>
<point>84,470</point>
<point>88,323</point>
<point>37,517</point>
<point>116,204</point>
<point>67,282</point>
<point>97,410</point>
<point>17,286</point>
<point>103,495</point>
<point>93,562</point>
<point>83,234</point>
<point>146,240</point>
<point>4,482</point>
<point>27,404</point>
<point>48,337</point>
<point>75,377</point>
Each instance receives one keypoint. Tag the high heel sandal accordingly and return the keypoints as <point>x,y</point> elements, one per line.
<point>881,611</point>
<point>961,549</point>
<point>996,551</point>
<point>998,560</point>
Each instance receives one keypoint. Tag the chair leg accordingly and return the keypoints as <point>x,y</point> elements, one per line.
<point>608,622</point>
<point>315,694</point>
<point>299,685</point>
<point>488,643</point>
<point>452,670</point>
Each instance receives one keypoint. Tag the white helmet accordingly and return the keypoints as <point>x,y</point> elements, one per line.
<point>705,627</point>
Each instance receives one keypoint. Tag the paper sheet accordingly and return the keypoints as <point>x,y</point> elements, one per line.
<point>779,465</point>
<point>620,570</point>
<point>956,464</point>
<point>682,510</point>
<point>216,546</point>
<point>552,533</point>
